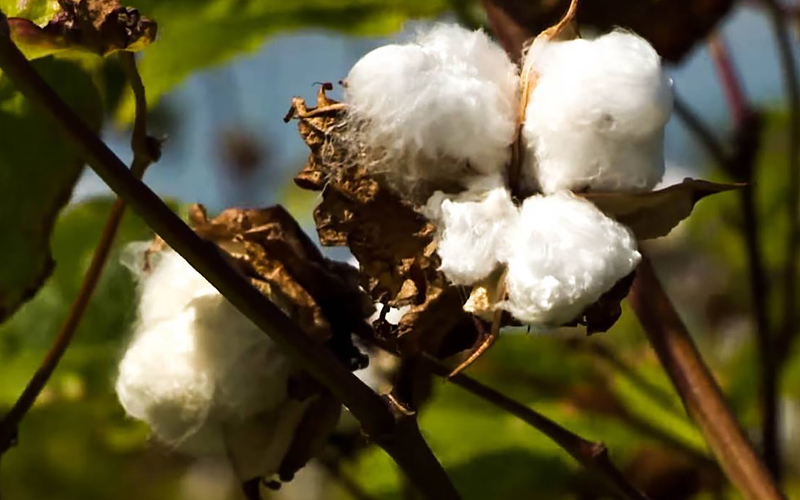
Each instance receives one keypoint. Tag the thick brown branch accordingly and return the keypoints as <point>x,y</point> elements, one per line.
<point>742,166</point>
<point>699,391</point>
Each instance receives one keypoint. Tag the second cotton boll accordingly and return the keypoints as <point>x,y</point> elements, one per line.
<point>564,254</point>
<point>437,108</point>
<point>201,375</point>
<point>596,116</point>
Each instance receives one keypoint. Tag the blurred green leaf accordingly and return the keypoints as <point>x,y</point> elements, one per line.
<point>38,170</point>
<point>199,34</point>
<point>38,11</point>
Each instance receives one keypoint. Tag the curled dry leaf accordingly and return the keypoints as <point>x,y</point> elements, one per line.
<point>654,214</point>
<point>269,247</point>
<point>97,26</point>
<point>672,27</point>
<point>393,243</point>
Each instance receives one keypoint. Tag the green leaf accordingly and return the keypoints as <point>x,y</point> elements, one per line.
<point>38,170</point>
<point>198,34</point>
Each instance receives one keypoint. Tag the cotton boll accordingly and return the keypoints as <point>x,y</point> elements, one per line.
<point>160,383</point>
<point>451,95</point>
<point>596,117</point>
<point>563,255</point>
<point>195,364</point>
<point>471,229</point>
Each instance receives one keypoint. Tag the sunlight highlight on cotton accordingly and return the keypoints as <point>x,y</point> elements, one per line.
<point>471,230</point>
<point>563,255</point>
<point>596,117</point>
<point>198,372</point>
<point>449,95</point>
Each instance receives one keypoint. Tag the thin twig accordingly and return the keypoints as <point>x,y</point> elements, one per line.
<point>400,437</point>
<point>789,330</point>
<point>601,400</point>
<point>11,421</point>
<point>660,396</point>
<point>592,455</point>
<point>729,78</point>
<point>700,393</point>
<point>742,166</point>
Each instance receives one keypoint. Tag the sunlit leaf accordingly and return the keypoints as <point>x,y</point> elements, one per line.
<point>653,214</point>
<point>197,34</point>
<point>38,169</point>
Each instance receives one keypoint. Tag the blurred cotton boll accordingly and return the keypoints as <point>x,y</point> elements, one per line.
<point>596,116</point>
<point>471,229</point>
<point>438,107</point>
<point>203,377</point>
<point>564,254</point>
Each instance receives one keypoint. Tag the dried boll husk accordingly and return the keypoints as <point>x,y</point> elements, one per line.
<point>562,256</point>
<point>441,108</point>
<point>595,115</point>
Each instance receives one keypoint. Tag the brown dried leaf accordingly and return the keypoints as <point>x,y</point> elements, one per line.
<point>393,243</point>
<point>97,26</point>
<point>283,263</point>
<point>672,27</point>
<point>653,214</point>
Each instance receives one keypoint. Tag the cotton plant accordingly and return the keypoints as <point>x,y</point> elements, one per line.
<point>522,169</point>
<point>205,379</point>
<point>590,117</point>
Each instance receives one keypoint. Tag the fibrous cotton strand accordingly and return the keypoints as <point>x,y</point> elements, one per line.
<point>438,107</point>
<point>595,119</point>
<point>471,229</point>
<point>563,254</point>
<point>201,375</point>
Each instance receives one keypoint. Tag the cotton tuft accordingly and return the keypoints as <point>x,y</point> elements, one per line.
<point>563,254</point>
<point>595,119</point>
<point>471,229</point>
<point>201,375</point>
<point>438,107</point>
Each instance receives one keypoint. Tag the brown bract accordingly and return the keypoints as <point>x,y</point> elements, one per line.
<point>270,248</point>
<point>393,243</point>
<point>653,214</point>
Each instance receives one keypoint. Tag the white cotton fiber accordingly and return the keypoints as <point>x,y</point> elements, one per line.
<point>449,95</point>
<point>595,119</point>
<point>195,365</point>
<point>562,256</point>
<point>471,229</point>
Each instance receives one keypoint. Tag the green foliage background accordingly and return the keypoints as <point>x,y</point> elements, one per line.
<point>77,443</point>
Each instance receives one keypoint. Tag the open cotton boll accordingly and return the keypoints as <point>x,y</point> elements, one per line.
<point>563,254</point>
<point>595,119</point>
<point>471,230</point>
<point>450,95</point>
<point>195,364</point>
